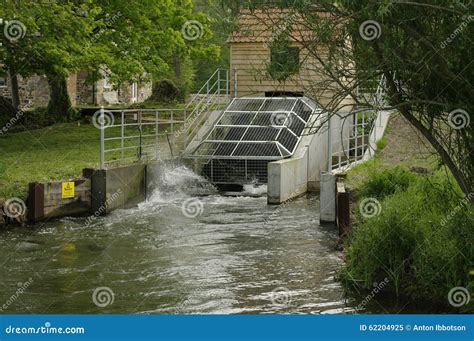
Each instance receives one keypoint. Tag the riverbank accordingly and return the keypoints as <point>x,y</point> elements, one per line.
<point>55,152</point>
<point>412,226</point>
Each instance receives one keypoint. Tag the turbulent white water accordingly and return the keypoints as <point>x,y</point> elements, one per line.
<point>187,249</point>
<point>254,190</point>
<point>176,182</point>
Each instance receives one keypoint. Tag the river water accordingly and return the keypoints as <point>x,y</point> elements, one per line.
<point>188,249</point>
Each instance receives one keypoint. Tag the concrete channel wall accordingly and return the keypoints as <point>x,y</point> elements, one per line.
<point>301,173</point>
<point>98,192</point>
<point>120,187</point>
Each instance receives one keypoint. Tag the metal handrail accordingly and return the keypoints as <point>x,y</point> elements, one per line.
<point>378,101</point>
<point>196,107</point>
<point>129,135</point>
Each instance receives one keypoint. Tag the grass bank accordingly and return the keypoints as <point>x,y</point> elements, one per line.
<point>413,225</point>
<point>57,152</point>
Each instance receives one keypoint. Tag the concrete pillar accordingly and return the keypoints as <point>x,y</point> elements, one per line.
<point>328,198</point>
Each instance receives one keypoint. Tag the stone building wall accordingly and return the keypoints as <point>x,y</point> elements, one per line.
<point>84,90</point>
<point>34,91</point>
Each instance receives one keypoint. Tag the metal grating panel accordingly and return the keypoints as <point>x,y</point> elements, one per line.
<point>257,128</point>
<point>249,134</point>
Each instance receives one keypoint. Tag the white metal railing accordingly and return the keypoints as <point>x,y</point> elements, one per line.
<point>214,93</point>
<point>134,134</point>
<point>360,129</point>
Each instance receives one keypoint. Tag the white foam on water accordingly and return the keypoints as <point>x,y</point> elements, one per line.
<point>176,182</point>
<point>254,190</point>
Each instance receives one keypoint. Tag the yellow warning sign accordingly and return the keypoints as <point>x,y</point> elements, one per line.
<point>67,190</point>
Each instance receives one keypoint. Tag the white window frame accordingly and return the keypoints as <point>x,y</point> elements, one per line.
<point>134,90</point>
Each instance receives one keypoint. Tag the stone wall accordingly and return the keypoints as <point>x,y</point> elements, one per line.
<point>84,90</point>
<point>34,90</point>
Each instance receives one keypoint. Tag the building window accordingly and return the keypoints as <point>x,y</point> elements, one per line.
<point>284,62</point>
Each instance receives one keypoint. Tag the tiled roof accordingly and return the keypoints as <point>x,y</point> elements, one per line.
<point>260,25</point>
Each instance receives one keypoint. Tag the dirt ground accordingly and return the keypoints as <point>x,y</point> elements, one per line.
<point>404,147</point>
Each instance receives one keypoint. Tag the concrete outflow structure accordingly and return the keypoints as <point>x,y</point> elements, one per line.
<point>278,141</point>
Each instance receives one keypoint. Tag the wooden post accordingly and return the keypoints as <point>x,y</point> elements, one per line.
<point>98,191</point>
<point>343,213</point>
<point>35,201</point>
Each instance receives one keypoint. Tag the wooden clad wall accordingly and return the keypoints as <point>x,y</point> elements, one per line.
<point>250,61</point>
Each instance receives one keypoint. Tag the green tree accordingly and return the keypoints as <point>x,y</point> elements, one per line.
<point>130,40</point>
<point>424,51</point>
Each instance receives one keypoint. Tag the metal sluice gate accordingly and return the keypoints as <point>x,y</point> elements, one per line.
<point>250,133</point>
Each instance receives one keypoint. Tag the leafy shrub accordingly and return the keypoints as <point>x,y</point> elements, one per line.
<point>165,91</point>
<point>422,240</point>
<point>27,119</point>
<point>387,182</point>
